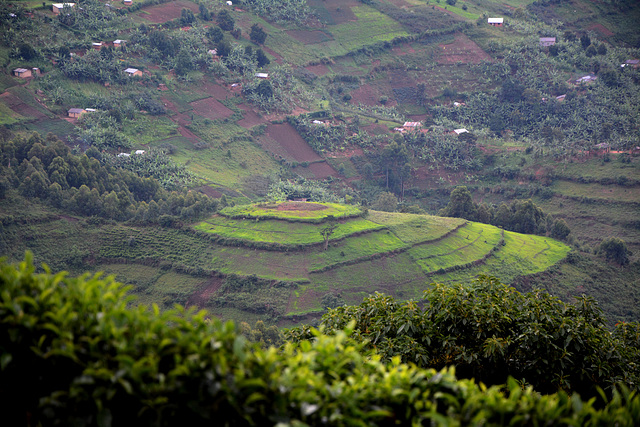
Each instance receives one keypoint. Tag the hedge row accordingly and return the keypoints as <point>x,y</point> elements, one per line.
<point>72,353</point>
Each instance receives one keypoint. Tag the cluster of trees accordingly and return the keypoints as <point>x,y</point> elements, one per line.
<point>46,169</point>
<point>313,191</point>
<point>97,362</point>
<point>521,216</point>
<point>489,331</point>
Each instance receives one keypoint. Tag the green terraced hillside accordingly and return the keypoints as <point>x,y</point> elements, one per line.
<point>272,265</point>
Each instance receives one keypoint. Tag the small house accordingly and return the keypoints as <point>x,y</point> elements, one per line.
<point>90,110</point>
<point>128,2</point>
<point>460,131</point>
<point>57,7</point>
<point>561,98</point>
<point>262,75</point>
<point>496,22</point>
<point>229,3</point>
<point>133,72</point>
<point>139,152</point>
<point>124,155</point>
<point>22,72</point>
<point>35,71</point>
<point>97,45</point>
<point>411,125</point>
<point>547,41</point>
<point>118,43</point>
<point>634,63</point>
<point>75,112</point>
<point>586,79</point>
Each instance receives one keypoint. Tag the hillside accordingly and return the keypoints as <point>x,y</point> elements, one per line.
<point>386,104</point>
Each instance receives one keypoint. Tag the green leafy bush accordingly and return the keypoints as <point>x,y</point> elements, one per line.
<point>72,353</point>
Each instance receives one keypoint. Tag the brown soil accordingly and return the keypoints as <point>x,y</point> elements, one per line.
<point>599,28</point>
<point>211,109</point>
<point>462,50</point>
<point>167,11</point>
<point>273,53</point>
<point>249,117</point>
<point>375,129</point>
<point>401,79</point>
<point>319,70</point>
<point>292,143</point>
<point>211,192</point>
<point>370,95</point>
<point>202,295</point>
<point>17,106</point>
<point>322,170</point>
<point>215,90</point>
<point>309,37</point>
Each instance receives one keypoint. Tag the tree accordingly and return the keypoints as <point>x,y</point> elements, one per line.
<point>257,34</point>
<point>386,202</point>
<point>490,331</point>
<point>223,48</point>
<point>461,205</point>
<point>262,59</point>
<point>615,249</point>
<point>215,34</point>
<point>560,230</point>
<point>585,41</point>
<point>184,62</point>
<point>591,51</point>
<point>265,89</point>
<point>225,20</point>
<point>205,14</point>
<point>328,230</point>
<point>187,17</point>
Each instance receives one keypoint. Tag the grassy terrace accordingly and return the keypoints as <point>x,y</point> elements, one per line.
<point>292,211</point>
<point>412,229</point>
<point>284,233</point>
<point>467,244</point>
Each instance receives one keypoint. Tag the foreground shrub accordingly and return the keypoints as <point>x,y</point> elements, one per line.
<point>72,353</point>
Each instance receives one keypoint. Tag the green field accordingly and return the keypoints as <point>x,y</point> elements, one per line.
<point>302,211</point>
<point>281,232</point>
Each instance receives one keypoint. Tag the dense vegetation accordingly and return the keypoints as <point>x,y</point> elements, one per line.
<point>96,362</point>
<point>46,169</point>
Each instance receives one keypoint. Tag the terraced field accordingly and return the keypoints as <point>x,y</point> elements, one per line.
<point>280,252</point>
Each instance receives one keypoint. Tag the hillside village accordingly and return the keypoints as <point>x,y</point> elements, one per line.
<point>320,212</point>
<point>389,105</point>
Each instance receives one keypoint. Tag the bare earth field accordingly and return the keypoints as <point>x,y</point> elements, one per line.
<point>211,109</point>
<point>249,117</point>
<point>166,12</point>
<point>292,142</point>
<point>462,50</point>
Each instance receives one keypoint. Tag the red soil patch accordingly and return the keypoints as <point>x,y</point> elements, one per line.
<point>300,206</point>
<point>346,153</point>
<point>292,143</point>
<point>211,192</point>
<point>165,12</point>
<point>375,129</point>
<point>249,118</point>
<point>309,37</point>
<point>18,106</point>
<point>601,29</point>
<point>401,79</point>
<point>319,70</point>
<point>370,95</point>
<point>462,50</point>
<point>202,295</point>
<point>273,53</point>
<point>322,170</point>
<point>211,109</point>
<point>215,90</point>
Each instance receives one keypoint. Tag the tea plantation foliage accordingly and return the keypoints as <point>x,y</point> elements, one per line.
<point>72,353</point>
